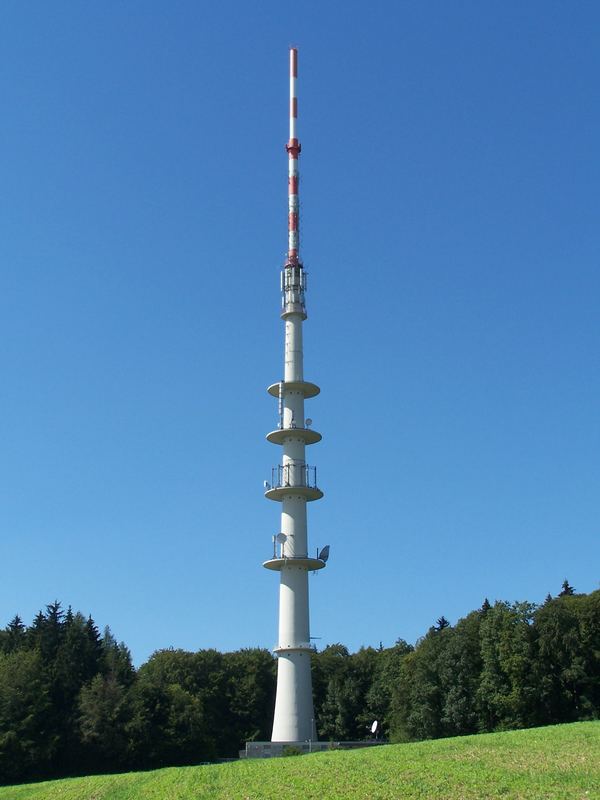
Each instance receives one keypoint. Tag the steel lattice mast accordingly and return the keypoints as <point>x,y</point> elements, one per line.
<point>293,481</point>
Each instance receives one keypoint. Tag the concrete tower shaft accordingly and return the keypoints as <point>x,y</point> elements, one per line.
<point>293,481</point>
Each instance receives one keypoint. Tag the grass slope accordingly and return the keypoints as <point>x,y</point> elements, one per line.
<point>562,761</point>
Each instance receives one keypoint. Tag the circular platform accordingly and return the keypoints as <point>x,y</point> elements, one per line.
<point>306,647</point>
<point>310,564</point>
<point>306,388</point>
<point>278,493</point>
<point>307,435</point>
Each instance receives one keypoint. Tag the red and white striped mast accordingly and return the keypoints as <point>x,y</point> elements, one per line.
<point>293,481</point>
<point>293,148</point>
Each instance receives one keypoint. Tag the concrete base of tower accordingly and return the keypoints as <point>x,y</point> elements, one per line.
<point>294,719</point>
<point>256,749</point>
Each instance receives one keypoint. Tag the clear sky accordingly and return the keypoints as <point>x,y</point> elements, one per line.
<point>450,178</point>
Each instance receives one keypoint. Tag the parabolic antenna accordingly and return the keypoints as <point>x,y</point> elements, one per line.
<point>374,727</point>
<point>324,554</point>
<point>281,538</point>
<point>308,422</point>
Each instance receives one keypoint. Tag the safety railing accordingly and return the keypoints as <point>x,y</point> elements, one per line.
<point>284,475</point>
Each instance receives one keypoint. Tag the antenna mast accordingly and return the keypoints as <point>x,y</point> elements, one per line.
<point>293,148</point>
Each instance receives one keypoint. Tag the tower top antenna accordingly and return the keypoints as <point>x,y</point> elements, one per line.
<point>293,148</point>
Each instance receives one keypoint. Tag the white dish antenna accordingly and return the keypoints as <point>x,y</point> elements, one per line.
<point>374,727</point>
<point>281,538</point>
<point>308,422</point>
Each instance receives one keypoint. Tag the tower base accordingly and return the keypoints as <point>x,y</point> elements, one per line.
<point>294,719</point>
<point>277,749</point>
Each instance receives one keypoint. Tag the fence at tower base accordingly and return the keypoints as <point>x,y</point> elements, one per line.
<point>276,749</point>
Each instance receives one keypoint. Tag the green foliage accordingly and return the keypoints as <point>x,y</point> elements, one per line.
<point>168,723</point>
<point>567,589</point>
<point>26,746</point>
<point>418,697</point>
<point>507,691</point>
<point>104,710</point>
<point>342,685</point>
<point>291,750</point>
<point>378,699</point>
<point>568,659</point>
<point>555,762</point>
<point>250,696</point>
<point>72,703</point>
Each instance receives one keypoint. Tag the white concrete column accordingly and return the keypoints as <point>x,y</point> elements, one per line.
<point>294,358</point>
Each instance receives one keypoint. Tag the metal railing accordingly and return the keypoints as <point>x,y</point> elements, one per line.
<point>284,475</point>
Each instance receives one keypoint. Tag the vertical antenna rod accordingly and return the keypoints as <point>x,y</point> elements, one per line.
<point>293,148</point>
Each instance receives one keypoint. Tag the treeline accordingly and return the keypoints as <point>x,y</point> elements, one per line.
<point>503,666</point>
<point>72,703</point>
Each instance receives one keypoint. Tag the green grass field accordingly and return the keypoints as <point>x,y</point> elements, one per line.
<point>562,761</point>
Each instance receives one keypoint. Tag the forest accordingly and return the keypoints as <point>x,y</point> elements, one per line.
<point>71,702</point>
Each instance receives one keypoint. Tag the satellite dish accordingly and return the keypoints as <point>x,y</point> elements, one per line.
<point>266,484</point>
<point>374,727</point>
<point>281,538</point>
<point>324,554</point>
<point>308,422</point>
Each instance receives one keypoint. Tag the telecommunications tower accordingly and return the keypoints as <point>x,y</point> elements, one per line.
<point>293,481</point>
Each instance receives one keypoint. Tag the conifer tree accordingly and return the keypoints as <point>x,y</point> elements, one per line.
<point>567,589</point>
<point>16,635</point>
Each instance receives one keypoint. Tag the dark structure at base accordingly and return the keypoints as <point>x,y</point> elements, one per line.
<point>275,749</point>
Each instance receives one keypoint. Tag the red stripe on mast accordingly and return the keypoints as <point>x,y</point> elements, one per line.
<point>293,149</point>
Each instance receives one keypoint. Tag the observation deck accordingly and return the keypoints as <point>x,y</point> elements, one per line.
<point>303,387</point>
<point>302,562</point>
<point>306,435</point>
<point>293,479</point>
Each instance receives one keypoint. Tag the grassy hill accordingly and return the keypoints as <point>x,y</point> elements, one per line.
<point>561,761</point>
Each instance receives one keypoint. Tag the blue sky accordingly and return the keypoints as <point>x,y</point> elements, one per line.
<point>450,230</point>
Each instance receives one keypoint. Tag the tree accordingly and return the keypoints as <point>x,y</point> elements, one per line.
<point>418,697</point>
<point>587,609</point>
<point>568,660</point>
<point>250,675</point>
<point>26,746</point>
<point>567,589</point>
<point>460,668</point>
<point>168,725</point>
<point>14,635</point>
<point>507,693</point>
<point>116,659</point>
<point>378,700</point>
<point>46,632</point>
<point>329,672</point>
<point>76,663</point>
<point>560,664</point>
<point>364,667</point>
<point>104,712</point>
